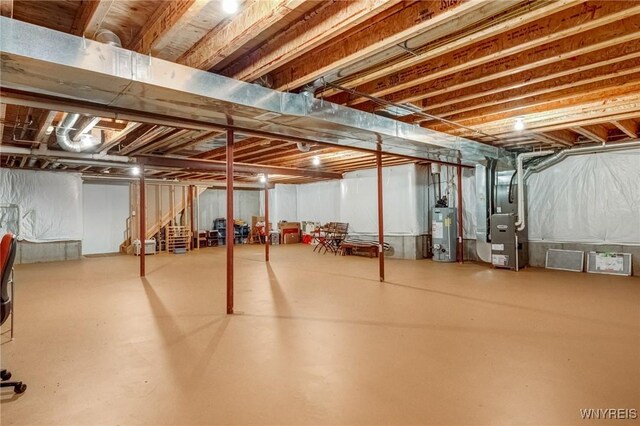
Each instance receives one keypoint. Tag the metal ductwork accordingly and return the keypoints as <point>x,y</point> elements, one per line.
<point>74,140</point>
<point>38,60</point>
<point>304,147</point>
<point>108,37</point>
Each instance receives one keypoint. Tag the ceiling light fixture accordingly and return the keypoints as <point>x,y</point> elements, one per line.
<point>315,161</point>
<point>263,178</point>
<point>519,124</point>
<point>135,171</point>
<point>230,6</point>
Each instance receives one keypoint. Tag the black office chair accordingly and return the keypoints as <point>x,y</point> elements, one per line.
<point>8,247</point>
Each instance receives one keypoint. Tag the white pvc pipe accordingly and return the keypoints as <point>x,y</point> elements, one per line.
<point>63,154</point>
<point>520,224</point>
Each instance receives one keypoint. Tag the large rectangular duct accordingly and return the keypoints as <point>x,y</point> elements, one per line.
<point>42,61</point>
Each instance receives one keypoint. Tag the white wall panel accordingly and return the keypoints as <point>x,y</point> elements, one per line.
<point>49,205</point>
<point>589,198</point>
<point>105,211</point>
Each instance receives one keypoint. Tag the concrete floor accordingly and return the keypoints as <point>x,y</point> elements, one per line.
<point>319,341</point>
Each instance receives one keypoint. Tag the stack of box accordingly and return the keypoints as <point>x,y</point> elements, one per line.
<point>290,232</point>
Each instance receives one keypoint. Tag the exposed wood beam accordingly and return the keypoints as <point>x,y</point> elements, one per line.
<point>425,53</point>
<point>409,21</point>
<point>3,113</point>
<point>596,133</point>
<point>563,137</point>
<point>205,137</point>
<point>43,125</point>
<point>134,130</point>
<point>90,16</point>
<point>6,8</point>
<point>508,53</point>
<point>584,66</point>
<point>574,84</point>
<point>628,127</point>
<point>610,88</point>
<point>111,124</point>
<point>164,18</point>
<point>596,102</point>
<point>331,19</point>
<point>209,165</point>
<point>624,107</point>
<point>253,18</point>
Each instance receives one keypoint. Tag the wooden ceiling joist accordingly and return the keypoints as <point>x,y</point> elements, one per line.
<point>374,37</point>
<point>507,55</point>
<point>596,133</point>
<point>329,20</point>
<point>90,17</point>
<point>166,16</point>
<point>253,18</point>
<point>628,127</point>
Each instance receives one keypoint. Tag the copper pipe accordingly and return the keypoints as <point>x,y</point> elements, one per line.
<point>380,213</point>
<point>142,234</point>
<point>230,227</point>
<point>460,239</point>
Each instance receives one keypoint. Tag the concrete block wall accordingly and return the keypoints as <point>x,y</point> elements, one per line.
<point>538,251</point>
<point>48,252</point>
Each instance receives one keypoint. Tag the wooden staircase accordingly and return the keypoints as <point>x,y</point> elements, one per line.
<point>166,205</point>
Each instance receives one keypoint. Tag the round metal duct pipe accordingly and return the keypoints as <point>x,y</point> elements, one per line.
<point>108,37</point>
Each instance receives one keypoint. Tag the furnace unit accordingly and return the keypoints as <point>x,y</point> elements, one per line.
<point>444,233</point>
<point>509,248</point>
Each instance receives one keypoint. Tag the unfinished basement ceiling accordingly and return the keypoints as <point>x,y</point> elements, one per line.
<point>568,69</point>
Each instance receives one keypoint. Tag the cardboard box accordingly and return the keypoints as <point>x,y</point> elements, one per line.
<point>291,238</point>
<point>289,225</point>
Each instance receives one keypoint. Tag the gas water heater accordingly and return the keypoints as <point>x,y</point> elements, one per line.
<point>444,233</point>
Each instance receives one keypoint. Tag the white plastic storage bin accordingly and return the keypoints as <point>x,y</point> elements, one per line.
<point>149,247</point>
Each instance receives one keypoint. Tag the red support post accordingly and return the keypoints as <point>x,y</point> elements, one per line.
<point>380,214</point>
<point>460,234</point>
<point>142,234</point>
<point>267,228</point>
<point>194,232</point>
<point>230,227</point>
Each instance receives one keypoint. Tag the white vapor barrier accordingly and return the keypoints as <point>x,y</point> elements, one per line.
<point>41,206</point>
<point>213,205</point>
<point>359,196</point>
<point>589,198</point>
<point>285,203</point>
<point>106,209</point>
<point>319,202</point>
<point>469,201</point>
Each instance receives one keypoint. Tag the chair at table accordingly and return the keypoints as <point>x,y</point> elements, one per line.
<point>8,247</point>
<point>336,239</point>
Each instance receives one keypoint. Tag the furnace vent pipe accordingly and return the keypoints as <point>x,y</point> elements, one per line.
<point>581,151</point>
<point>520,224</point>
<point>66,142</point>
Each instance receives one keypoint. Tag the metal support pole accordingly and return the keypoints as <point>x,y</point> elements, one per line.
<point>194,231</point>
<point>230,227</point>
<point>460,234</point>
<point>267,228</point>
<point>380,214</point>
<point>142,234</point>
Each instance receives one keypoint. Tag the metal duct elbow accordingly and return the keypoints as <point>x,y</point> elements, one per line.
<point>304,147</point>
<point>108,37</point>
<point>65,140</point>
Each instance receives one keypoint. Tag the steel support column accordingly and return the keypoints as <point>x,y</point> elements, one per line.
<point>380,213</point>
<point>460,246</point>
<point>142,232</point>
<point>230,228</point>
<point>192,228</point>
<point>267,228</point>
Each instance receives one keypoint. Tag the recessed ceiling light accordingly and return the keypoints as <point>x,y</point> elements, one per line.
<point>230,6</point>
<point>519,124</point>
<point>315,161</point>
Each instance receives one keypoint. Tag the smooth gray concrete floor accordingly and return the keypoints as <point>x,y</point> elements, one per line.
<point>318,340</point>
